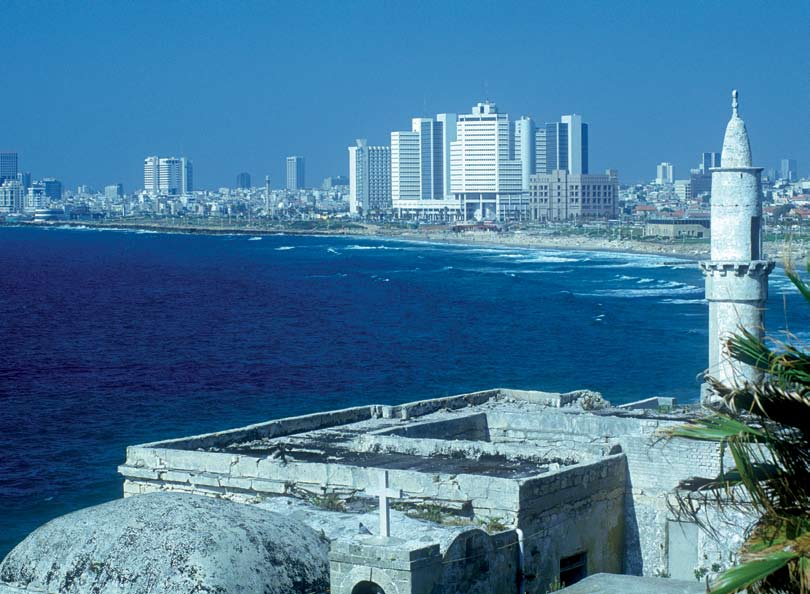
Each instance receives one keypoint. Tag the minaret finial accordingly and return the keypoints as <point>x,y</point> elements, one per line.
<point>735,103</point>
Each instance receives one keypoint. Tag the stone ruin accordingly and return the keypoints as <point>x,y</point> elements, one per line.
<point>493,491</point>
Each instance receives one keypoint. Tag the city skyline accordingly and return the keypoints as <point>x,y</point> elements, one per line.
<point>98,138</point>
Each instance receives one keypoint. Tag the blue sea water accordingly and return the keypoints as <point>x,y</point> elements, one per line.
<point>112,338</point>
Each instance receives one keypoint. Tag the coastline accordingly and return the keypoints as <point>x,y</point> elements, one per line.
<point>509,239</point>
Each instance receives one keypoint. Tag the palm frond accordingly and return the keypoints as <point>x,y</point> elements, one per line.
<point>742,576</point>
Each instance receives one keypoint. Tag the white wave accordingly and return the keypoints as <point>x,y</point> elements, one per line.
<point>372,247</point>
<point>644,281</point>
<point>651,292</point>
<point>255,239</point>
<point>333,251</point>
<point>625,277</point>
<point>284,248</point>
<point>684,301</point>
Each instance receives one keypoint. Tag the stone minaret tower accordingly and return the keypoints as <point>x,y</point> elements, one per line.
<point>737,274</point>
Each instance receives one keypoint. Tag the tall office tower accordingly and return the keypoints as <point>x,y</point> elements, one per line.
<point>369,178</point>
<point>267,194</point>
<point>186,176</point>
<point>11,196</point>
<point>406,179</point>
<point>8,166</point>
<point>708,161</point>
<point>53,188</point>
<point>170,176</point>
<point>243,181</point>
<point>664,174</point>
<point>448,122</point>
<point>113,192</point>
<point>788,170</point>
<point>24,179</point>
<point>295,173</point>
<point>563,145</point>
<point>525,149</point>
<point>485,179</point>
<point>151,175</point>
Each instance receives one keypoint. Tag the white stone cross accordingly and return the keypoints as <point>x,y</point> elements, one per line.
<point>384,493</point>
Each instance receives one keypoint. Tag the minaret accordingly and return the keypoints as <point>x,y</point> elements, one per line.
<point>737,274</point>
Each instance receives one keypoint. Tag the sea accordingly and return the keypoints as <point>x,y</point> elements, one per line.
<point>114,337</point>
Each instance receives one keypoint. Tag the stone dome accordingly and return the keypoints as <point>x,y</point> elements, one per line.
<point>170,543</point>
<point>736,148</point>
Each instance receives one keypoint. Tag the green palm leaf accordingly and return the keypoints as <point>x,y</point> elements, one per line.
<point>740,577</point>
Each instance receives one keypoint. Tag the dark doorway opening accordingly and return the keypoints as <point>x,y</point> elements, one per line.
<point>573,568</point>
<point>367,588</point>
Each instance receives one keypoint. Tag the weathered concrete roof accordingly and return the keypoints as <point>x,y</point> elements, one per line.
<point>736,147</point>
<point>171,543</point>
<point>608,583</point>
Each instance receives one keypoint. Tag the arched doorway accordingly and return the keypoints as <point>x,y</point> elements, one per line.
<point>367,588</point>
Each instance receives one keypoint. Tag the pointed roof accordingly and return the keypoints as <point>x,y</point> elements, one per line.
<point>736,148</point>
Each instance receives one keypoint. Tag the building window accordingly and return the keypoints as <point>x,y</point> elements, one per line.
<point>573,568</point>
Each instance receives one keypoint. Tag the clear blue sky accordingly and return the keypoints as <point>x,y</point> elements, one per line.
<point>91,88</point>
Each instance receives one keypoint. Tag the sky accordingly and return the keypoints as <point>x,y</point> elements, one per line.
<point>91,88</point>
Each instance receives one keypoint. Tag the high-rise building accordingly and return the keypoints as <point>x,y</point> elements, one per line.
<point>369,178</point>
<point>788,170</point>
<point>418,171</point>
<point>36,197</point>
<point>11,196</point>
<point>708,161</point>
<point>151,175</point>
<point>187,176</point>
<point>526,149</point>
<point>53,188</point>
<point>168,176</point>
<point>243,181</point>
<point>562,145</point>
<point>563,196</point>
<point>295,173</point>
<point>171,176</point>
<point>449,124</point>
<point>113,192</point>
<point>25,179</point>
<point>485,178</point>
<point>664,173</point>
<point>8,167</point>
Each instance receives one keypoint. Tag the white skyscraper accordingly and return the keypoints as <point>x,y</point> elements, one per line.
<point>11,196</point>
<point>664,174</point>
<point>562,145</point>
<point>525,149</point>
<point>484,176</point>
<point>171,176</point>
<point>151,175</point>
<point>369,178</point>
<point>418,171</point>
<point>295,173</point>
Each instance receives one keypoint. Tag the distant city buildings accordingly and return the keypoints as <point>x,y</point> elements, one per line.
<point>11,196</point>
<point>664,174</point>
<point>418,170</point>
<point>562,145</point>
<point>8,167</point>
<point>167,176</point>
<point>295,173</point>
<point>114,192</point>
<point>369,178</point>
<point>564,196</point>
<point>485,178</point>
<point>788,170</point>
<point>709,161</point>
<point>243,181</point>
<point>334,181</point>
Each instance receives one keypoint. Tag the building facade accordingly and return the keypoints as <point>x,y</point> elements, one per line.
<point>11,196</point>
<point>562,145</point>
<point>418,171</point>
<point>788,170</point>
<point>369,178</point>
<point>664,173</point>
<point>295,173</point>
<point>167,176</point>
<point>563,196</point>
<point>8,166</point>
<point>526,150</point>
<point>243,181</point>
<point>485,177</point>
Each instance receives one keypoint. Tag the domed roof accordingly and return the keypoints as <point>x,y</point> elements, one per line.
<point>736,148</point>
<point>170,543</point>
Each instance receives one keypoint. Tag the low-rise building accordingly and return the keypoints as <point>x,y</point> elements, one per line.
<point>563,196</point>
